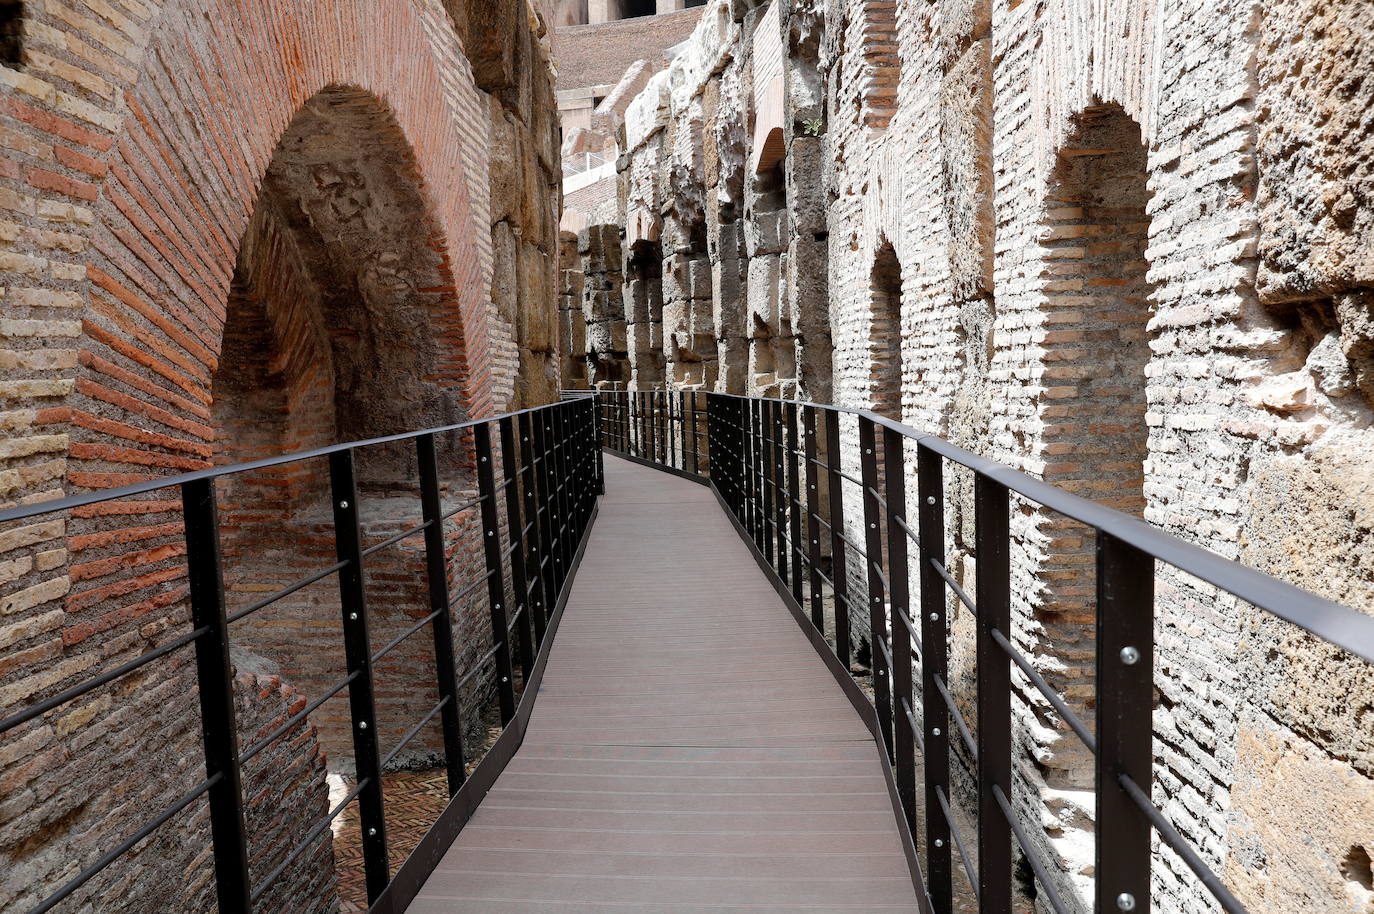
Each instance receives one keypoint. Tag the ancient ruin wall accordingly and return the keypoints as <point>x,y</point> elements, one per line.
<point>189,186</point>
<point>1125,248</point>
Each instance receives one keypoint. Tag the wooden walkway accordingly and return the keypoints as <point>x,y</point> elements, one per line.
<point>688,749</point>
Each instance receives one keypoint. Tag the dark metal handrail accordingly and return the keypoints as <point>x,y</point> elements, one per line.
<point>551,477</point>
<point>748,449</point>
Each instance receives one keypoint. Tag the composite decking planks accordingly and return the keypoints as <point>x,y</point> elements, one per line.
<point>687,751</point>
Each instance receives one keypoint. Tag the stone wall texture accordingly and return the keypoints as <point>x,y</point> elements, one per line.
<point>231,229</point>
<point>1123,246</point>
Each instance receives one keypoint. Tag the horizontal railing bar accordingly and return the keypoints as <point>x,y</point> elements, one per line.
<point>298,717</point>
<point>414,731</point>
<point>468,589</point>
<point>912,629</point>
<point>969,870</point>
<point>310,839</point>
<point>915,726</point>
<point>964,733</point>
<point>89,685</point>
<point>882,575</point>
<point>286,591</point>
<point>1034,675</point>
<point>1036,866</point>
<point>392,540</point>
<point>887,654</point>
<point>22,512</point>
<point>515,618</point>
<point>124,846</point>
<point>1170,836</point>
<point>463,507</point>
<point>844,537</point>
<point>911,534</point>
<point>477,667</point>
<point>394,642</point>
<point>943,572</point>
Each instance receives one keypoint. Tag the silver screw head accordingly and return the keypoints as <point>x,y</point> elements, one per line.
<point>353,616</point>
<point>1125,901</point>
<point>939,842</point>
<point>1129,656</point>
<point>935,617</point>
<point>362,725</point>
<point>343,504</point>
<point>930,499</point>
<point>372,832</point>
<point>934,731</point>
<point>505,679</point>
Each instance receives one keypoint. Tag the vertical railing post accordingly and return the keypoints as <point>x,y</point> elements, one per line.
<point>764,503</point>
<point>671,400</point>
<point>215,684</point>
<point>813,523</point>
<point>991,506</point>
<point>358,655</point>
<point>436,568</point>
<point>873,563</point>
<point>496,588</point>
<point>563,463</point>
<point>778,475</point>
<point>529,493</point>
<point>544,511</point>
<point>794,498</point>
<point>904,723</point>
<point>598,423</point>
<point>696,441</point>
<point>514,529</point>
<point>1125,699</point>
<point>653,426</point>
<point>749,441</point>
<point>904,714</point>
<point>838,569</point>
<point>934,664</point>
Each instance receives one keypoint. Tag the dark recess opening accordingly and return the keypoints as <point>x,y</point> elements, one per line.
<point>11,32</point>
<point>633,9</point>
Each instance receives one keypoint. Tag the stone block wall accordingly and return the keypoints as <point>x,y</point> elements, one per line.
<point>1123,247</point>
<point>230,230</point>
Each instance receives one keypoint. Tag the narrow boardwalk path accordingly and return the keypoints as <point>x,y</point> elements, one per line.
<point>688,750</point>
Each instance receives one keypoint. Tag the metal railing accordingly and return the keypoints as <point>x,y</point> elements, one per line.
<point>550,476</point>
<point>779,467</point>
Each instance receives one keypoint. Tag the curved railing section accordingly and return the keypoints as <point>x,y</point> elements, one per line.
<point>784,470</point>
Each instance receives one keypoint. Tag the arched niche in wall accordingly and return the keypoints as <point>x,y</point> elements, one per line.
<point>885,333</point>
<point>1096,300</point>
<point>644,311</point>
<point>340,325</point>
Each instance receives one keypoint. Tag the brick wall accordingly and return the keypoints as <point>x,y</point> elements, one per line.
<point>182,183</point>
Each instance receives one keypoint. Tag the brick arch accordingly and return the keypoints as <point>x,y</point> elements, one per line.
<point>183,180</point>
